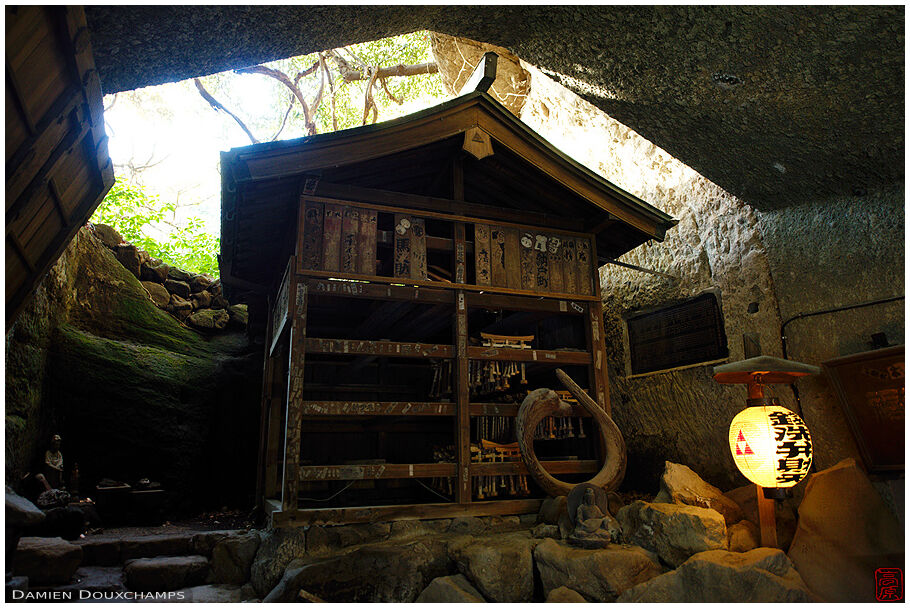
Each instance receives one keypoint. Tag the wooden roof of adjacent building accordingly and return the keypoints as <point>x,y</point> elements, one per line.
<point>409,162</point>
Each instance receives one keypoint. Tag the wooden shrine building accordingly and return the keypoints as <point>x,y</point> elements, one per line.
<point>413,280</point>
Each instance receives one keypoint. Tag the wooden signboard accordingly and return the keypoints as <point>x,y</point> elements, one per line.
<point>331,253</point>
<point>418,249</point>
<point>366,242</point>
<point>311,242</point>
<point>498,260</point>
<point>482,254</point>
<point>513,259</point>
<point>870,387</point>
<point>527,262</point>
<point>350,231</point>
<point>402,261</point>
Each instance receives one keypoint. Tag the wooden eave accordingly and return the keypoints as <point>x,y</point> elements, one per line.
<point>616,217</point>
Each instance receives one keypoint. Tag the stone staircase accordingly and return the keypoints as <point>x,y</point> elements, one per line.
<point>188,567</point>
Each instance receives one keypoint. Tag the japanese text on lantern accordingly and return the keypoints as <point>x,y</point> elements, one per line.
<point>794,447</point>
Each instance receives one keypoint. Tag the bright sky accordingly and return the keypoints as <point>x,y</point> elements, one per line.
<point>172,125</point>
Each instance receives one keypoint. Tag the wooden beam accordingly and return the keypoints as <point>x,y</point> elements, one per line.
<point>462,386</point>
<point>492,353</point>
<point>482,77</point>
<point>377,408</point>
<point>554,467</point>
<point>350,515</point>
<point>453,207</point>
<point>325,346</point>
<point>374,291</point>
<point>599,377</point>
<point>348,472</point>
<point>404,282</point>
<point>294,397</point>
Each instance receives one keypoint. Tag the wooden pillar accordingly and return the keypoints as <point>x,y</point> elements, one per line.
<point>265,406</point>
<point>462,391</point>
<point>766,518</point>
<point>598,370</point>
<point>291,476</point>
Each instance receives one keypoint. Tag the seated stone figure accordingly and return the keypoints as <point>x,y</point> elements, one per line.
<point>594,528</point>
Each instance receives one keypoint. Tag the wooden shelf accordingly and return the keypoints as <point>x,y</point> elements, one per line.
<point>325,346</point>
<point>377,291</point>
<point>554,467</point>
<point>345,472</point>
<point>377,408</point>
<point>493,353</point>
<point>511,409</point>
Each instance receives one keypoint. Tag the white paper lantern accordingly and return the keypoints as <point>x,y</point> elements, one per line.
<point>771,446</point>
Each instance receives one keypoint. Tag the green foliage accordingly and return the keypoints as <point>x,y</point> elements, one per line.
<point>134,214</point>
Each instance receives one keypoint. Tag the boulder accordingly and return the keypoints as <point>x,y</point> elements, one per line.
<point>209,319</point>
<point>279,547</point>
<point>177,303</point>
<point>219,302</point>
<point>760,575</point>
<point>227,594</point>
<point>176,274</point>
<point>784,510</point>
<point>166,573</point>
<point>109,237</point>
<point>100,551</point>
<point>564,595</point>
<point>144,259</point>
<point>232,557</point>
<point>467,525</point>
<point>132,547</point>
<point>545,531</point>
<point>501,567</point>
<point>682,486</point>
<point>46,561</point>
<point>415,528</point>
<point>383,572</point>
<point>204,542</point>
<point>845,533</point>
<point>128,256</point>
<point>200,282</point>
<point>674,532</point>
<point>202,299</point>
<point>155,273</point>
<point>215,287</point>
<point>743,536</point>
<point>179,288</point>
<point>95,580</point>
<point>21,512</point>
<point>551,509</point>
<point>159,295</point>
<point>327,539</point>
<point>598,575</point>
<point>239,314</point>
<point>455,589</point>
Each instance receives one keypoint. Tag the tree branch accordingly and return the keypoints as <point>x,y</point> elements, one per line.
<point>282,78</point>
<point>350,74</point>
<point>219,107</point>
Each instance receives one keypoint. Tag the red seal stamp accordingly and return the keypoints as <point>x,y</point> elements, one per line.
<point>889,585</point>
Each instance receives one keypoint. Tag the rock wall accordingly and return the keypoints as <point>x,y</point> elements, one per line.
<point>755,262</point>
<point>134,392</point>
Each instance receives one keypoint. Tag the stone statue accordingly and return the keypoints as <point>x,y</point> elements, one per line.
<point>595,527</point>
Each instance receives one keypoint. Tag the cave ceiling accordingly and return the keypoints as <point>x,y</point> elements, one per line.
<point>777,105</point>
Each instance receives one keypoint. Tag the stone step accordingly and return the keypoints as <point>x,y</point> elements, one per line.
<point>113,550</point>
<point>46,561</point>
<point>90,580</point>
<point>166,573</point>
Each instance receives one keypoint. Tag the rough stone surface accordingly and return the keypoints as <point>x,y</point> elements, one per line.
<point>166,573</point>
<point>674,532</point>
<point>232,558</point>
<point>96,579</point>
<point>845,533</point>
<point>209,319</point>
<point>202,299</point>
<point>501,567</point>
<point>128,256</point>
<point>278,548</point>
<point>200,282</point>
<point>107,235</point>
<point>455,589</point>
<point>177,274</point>
<point>46,561</point>
<point>551,509</point>
<point>21,512</point>
<point>681,485</point>
<point>467,525</point>
<point>156,273</point>
<point>416,528</point>
<point>761,575</point>
<point>684,92</point>
<point>545,531</point>
<point>159,295</point>
<point>100,551</point>
<point>326,539</point>
<point>228,594</point>
<point>132,547</point>
<point>406,570</point>
<point>784,512</point>
<point>179,288</point>
<point>743,536</point>
<point>204,542</point>
<point>92,342</point>
<point>564,595</point>
<point>598,575</point>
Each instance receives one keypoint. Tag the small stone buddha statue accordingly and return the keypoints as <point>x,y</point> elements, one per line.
<point>594,528</point>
